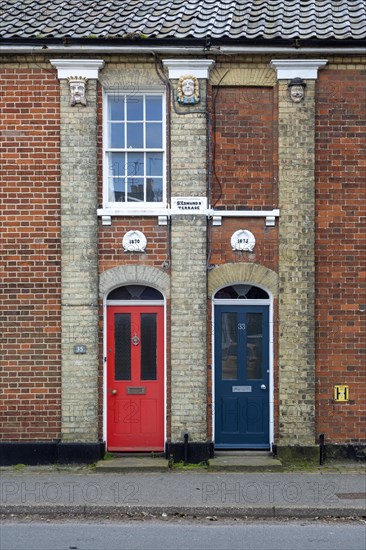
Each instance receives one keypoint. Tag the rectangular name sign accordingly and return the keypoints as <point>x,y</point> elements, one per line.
<point>240,389</point>
<point>188,205</point>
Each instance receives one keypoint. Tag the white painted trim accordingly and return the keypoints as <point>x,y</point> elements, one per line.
<point>146,89</point>
<point>87,68</point>
<point>270,351</point>
<point>135,302</point>
<point>242,302</point>
<point>298,68</point>
<point>161,211</point>
<point>107,303</point>
<point>143,211</point>
<point>246,213</point>
<point>200,68</point>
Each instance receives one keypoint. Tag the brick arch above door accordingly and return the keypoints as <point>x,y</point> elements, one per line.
<point>134,274</point>
<point>227,274</point>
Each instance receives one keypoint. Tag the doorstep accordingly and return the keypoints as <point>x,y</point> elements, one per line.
<point>229,461</point>
<point>244,461</point>
<point>130,462</point>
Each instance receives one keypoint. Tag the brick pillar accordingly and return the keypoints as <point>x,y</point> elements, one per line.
<point>296,255</point>
<point>79,267</point>
<point>188,266</point>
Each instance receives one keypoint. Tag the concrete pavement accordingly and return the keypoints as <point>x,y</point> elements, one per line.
<point>318,492</point>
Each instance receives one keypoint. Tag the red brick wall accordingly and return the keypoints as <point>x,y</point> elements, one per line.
<point>244,145</point>
<point>244,176</point>
<point>30,254</point>
<point>341,252</point>
<point>111,253</point>
<point>265,252</point>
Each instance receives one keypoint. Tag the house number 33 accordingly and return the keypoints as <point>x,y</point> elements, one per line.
<point>241,326</point>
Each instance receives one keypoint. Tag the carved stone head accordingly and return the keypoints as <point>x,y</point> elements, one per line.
<point>297,89</point>
<point>77,90</point>
<point>188,90</point>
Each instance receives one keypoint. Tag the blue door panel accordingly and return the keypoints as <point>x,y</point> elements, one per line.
<point>230,414</point>
<point>242,376</point>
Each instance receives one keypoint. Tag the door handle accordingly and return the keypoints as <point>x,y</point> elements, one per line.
<point>114,392</point>
<point>263,387</point>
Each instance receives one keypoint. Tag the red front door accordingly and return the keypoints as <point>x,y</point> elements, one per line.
<point>135,378</point>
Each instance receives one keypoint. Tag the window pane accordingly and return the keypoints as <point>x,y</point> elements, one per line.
<point>240,292</point>
<point>117,189</point>
<point>122,343</point>
<point>116,107</point>
<point>154,189</point>
<point>154,164</point>
<point>135,189</point>
<point>254,346</point>
<point>135,292</point>
<point>154,136</point>
<point>135,164</point>
<point>135,107</point>
<point>229,346</point>
<point>135,136</point>
<point>116,164</point>
<point>148,346</point>
<point>135,127</point>
<point>154,110</point>
<point>116,135</point>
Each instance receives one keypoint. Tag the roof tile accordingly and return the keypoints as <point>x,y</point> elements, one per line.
<point>236,19</point>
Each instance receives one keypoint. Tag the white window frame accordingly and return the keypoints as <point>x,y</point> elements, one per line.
<point>115,208</point>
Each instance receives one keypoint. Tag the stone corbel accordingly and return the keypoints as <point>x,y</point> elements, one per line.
<point>77,72</point>
<point>306,69</point>
<point>197,68</point>
<point>297,71</point>
<point>188,73</point>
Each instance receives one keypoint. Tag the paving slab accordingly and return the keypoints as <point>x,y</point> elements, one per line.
<point>200,493</point>
<point>135,464</point>
<point>244,462</point>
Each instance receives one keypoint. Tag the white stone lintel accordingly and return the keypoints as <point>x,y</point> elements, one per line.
<point>200,68</point>
<point>87,68</point>
<point>298,68</point>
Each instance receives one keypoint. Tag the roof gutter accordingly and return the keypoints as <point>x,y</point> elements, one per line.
<point>200,50</point>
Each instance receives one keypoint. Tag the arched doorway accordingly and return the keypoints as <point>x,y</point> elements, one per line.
<point>242,362</point>
<point>135,369</point>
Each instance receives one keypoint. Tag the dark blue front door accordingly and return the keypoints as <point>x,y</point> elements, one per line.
<point>242,376</point>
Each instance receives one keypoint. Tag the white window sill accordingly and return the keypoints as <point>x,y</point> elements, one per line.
<point>143,211</point>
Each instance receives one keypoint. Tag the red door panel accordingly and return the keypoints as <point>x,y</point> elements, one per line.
<point>135,378</point>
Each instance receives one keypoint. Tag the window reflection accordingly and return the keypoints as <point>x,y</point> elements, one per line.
<point>135,161</point>
<point>254,346</point>
<point>229,346</point>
